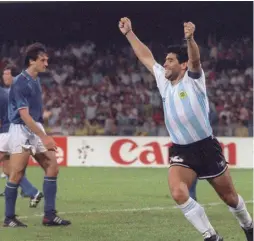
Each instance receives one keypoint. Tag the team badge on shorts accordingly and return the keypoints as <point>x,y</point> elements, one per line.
<point>176,159</point>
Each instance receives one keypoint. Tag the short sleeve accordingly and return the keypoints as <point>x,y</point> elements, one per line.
<point>159,73</point>
<point>20,96</point>
<point>198,80</point>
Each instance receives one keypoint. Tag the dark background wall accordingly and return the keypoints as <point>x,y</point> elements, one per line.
<point>58,23</point>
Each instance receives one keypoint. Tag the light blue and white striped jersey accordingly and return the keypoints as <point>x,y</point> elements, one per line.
<point>186,107</point>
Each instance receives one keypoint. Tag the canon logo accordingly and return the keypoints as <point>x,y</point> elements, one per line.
<point>151,153</point>
<point>126,152</point>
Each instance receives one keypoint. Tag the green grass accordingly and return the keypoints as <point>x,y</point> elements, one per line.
<point>98,202</point>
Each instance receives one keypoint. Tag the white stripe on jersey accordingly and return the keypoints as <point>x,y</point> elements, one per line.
<point>181,114</point>
<point>198,109</point>
<point>185,107</point>
<point>171,124</point>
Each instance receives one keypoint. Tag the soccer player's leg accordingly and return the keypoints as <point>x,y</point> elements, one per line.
<point>183,171</point>
<point>17,165</point>
<point>216,171</point>
<point>224,186</point>
<point>26,186</point>
<point>180,179</point>
<point>48,162</point>
<point>192,189</point>
<point>28,189</point>
<point>3,157</point>
<point>19,155</point>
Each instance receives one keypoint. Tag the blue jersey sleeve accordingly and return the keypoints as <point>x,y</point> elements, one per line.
<point>20,96</point>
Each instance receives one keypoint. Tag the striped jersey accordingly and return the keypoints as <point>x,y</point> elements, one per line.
<point>186,108</point>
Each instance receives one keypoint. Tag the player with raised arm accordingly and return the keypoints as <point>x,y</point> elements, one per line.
<point>195,151</point>
<point>28,137</point>
<point>27,188</point>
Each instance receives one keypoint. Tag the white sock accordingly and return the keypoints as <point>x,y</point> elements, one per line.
<point>241,214</point>
<point>196,215</point>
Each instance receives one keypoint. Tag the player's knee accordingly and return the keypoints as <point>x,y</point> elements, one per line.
<point>53,170</point>
<point>16,176</point>
<point>179,194</point>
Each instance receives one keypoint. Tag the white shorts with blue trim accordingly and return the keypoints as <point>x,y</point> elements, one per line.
<point>22,138</point>
<point>4,142</point>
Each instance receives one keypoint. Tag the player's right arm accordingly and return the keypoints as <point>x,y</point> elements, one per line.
<point>144,54</point>
<point>30,123</point>
<point>23,108</point>
<point>141,50</point>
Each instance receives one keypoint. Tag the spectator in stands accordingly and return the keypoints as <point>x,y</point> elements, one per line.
<point>241,130</point>
<point>109,92</point>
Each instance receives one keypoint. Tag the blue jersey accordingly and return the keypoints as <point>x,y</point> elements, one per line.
<point>25,92</point>
<point>185,106</point>
<point>4,121</point>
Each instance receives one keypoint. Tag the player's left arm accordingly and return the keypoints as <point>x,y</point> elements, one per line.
<point>194,65</point>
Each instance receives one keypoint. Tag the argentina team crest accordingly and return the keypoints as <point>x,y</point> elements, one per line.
<point>182,95</point>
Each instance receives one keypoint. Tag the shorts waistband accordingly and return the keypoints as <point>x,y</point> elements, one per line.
<point>195,143</point>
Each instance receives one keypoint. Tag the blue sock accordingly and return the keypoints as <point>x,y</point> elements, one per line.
<point>49,190</point>
<point>193,190</point>
<point>11,192</point>
<point>27,187</point>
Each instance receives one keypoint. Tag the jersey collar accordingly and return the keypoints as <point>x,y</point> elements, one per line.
<point>27,76</point>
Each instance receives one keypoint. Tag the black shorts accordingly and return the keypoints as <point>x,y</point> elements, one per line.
<point>205,157</point>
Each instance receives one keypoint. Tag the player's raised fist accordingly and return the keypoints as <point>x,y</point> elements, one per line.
<point>189,29</point>
<point>125,25</point>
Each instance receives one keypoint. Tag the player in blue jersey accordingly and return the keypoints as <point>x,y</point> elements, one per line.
<point>195,151</point>
<point>28,137</point>
<point>27,188</point>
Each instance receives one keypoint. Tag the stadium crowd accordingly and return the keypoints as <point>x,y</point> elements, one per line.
<point>89,91</point>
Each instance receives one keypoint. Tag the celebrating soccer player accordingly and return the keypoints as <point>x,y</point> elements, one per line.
<point>195,151</point>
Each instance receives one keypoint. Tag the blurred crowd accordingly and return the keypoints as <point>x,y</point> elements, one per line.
<point>92,91</point>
